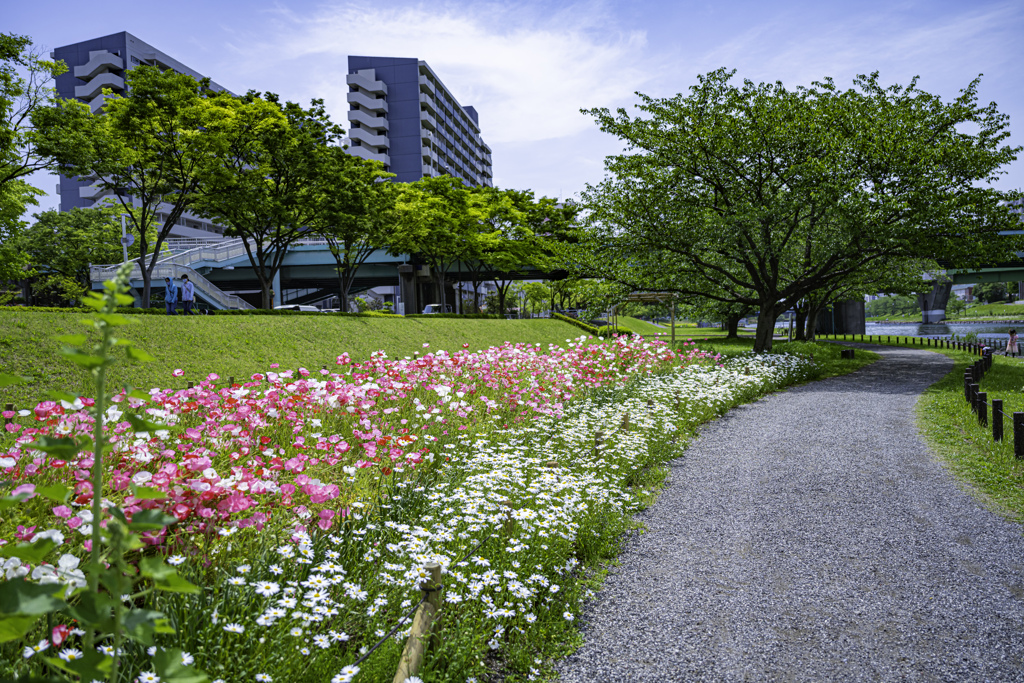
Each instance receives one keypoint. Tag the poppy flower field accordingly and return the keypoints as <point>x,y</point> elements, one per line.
<point>307,502</point>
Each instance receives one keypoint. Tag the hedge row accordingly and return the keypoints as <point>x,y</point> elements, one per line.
<point>590,329</point>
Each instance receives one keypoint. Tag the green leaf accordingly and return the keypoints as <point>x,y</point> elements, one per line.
<point>21,598</point>
<point>150,520</point>
<point>175,584</point>
<point>73,339</point>
<point>58,395</point>
<point>81,359</point>
<point>113,319</point>
<point>56,492</point>
<point>94,609</point>
<point>170,669</point>
<point>63,447</point>
<point>142,624</point>
<point>139,394</point>
<point>155,568</point>
<point>11,501</point>
<point>15,628</point>
<point>141,424</point>
<point>93,666</point>
<point>147,493</point>
<point>30,553</point>
<point>10,380</point>
<point>140,355</point>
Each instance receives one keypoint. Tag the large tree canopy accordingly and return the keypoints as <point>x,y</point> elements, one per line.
<point>759,195</point>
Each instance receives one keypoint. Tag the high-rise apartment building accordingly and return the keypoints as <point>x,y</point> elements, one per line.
<point>101,63</point>
<point>400,113</point>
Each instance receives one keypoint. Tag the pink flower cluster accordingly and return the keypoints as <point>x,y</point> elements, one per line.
<point>311,444</point>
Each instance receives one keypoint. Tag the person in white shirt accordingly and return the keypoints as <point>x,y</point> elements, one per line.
<point>187,294</point>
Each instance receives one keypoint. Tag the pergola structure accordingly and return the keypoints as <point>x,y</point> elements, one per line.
<point>649,298</point>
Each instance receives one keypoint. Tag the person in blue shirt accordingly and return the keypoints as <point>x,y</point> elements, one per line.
<point>170,295</point>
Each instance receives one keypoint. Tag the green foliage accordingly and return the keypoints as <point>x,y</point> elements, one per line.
<point>763,196</point>
<point>990,292</point>
<point>94,599</point>
<point>892,306</point>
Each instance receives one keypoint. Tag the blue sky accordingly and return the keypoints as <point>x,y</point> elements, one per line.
<point>528,67</point>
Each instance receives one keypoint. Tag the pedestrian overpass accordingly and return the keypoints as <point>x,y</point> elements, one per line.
<point>224,278</point>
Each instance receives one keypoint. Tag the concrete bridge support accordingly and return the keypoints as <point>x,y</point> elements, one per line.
<point>933,303</point>
<point>843,317</point>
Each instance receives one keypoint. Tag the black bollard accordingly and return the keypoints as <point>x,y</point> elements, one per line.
<point>997,419</point>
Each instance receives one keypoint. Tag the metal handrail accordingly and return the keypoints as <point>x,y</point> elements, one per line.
<point>175,270</point>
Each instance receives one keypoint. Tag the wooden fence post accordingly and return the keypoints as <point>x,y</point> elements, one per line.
<point>416,646</point>
<point>598,440</point>
<point>9,407</point>
<point>190,385</point>
<point>967,385</point>
<point>625,422</point>
<point>1018,435</point>
<point>974,397</point>
<point>997,419</point>
<point>983,408</point>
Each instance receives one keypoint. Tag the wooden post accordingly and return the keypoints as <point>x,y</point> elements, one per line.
<point>673,323</point>
<point>231,381</point>
<point>650,405</point>
<point>9,407</point>
<point>983,408</point>
<point>416,646</point>
<point>1018,435</point>
<point>625,422</point>
<point>997,419</point>
<point>190,385</point>
<point>974,397</point>
<point>968,380</point>
<point>598,440</point>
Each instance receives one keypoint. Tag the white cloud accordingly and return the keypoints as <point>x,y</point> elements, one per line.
<point>528,75</point>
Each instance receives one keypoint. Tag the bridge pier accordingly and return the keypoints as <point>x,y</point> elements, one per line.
<point>933,303</point>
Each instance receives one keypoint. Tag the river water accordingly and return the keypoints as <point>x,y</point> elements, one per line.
<point>991,330</point>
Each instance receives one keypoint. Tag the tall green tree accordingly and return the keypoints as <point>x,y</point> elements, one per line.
<point>146,150</point>
<point>435,221</point>
<point>760,195</point>
<point>61,245</point>
<point>358,215</point>
<point>27,98</point>
<point>270,184</point>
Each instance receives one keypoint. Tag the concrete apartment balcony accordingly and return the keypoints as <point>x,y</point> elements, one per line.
<point>364,119</point>
<point>369,153</point>
<point>99,61</point>
<point>96,85</point>
<point>367,102</point>
<point>428,102</point>
<point>97,103</point>
<point>369,139</point>
<point>427,121</point>
<point>426,86</point>
<point>94,191</point>
<point>366,79</point>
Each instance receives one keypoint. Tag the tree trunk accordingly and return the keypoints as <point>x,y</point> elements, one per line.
<point>765,328</point>
<point>812,321</point>
<point>801,323</point>
<point>342,292</point>
<point>733,324</point>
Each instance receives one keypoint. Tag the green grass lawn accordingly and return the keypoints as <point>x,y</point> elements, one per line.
<point>952,429</point>
<point>241,345</point>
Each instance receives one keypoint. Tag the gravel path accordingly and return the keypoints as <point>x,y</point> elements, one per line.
<point>812,536</point>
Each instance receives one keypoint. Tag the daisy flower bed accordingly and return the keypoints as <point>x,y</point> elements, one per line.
<point>308,503</point>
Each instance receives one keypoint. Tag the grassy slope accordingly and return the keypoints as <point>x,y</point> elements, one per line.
<point>242,345</point>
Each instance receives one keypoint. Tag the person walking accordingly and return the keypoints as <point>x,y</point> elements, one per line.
<point>187,294</point>
<point>1011,344</point>
<point>170,295</point>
